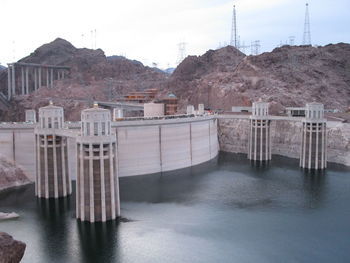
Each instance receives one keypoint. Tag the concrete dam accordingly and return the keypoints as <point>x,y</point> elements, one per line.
<point>143,146</point>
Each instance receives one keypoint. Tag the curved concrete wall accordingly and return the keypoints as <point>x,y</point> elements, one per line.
<point>144,147</point>
<point>166,146</point>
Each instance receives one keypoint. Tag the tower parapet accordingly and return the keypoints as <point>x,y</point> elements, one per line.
<point>52,176</point>
<point>97,192</point>
<point>313,154</point>
<point>259,145</point>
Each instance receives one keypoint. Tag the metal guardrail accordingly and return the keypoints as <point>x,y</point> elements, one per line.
<point>167,117</point>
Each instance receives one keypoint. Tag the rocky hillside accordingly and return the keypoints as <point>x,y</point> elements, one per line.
<point>93,77</point>
<point>11,175</point>
<point>287,76</point>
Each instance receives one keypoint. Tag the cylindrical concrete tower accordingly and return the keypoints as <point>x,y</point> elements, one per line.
<point>313,154</point>
<point>97,194</point>
<point>259,144</point>
<point>52,173</point>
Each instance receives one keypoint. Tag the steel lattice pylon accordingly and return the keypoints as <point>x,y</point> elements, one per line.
<point>307,32</point>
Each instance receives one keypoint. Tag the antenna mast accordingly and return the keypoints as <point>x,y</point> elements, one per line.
<point>234,29</point>
<point>307,33</point>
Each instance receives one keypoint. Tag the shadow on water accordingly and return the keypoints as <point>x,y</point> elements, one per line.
<point>98,241</point>
<point>165,187</point>
<point>315,185</point>
<point>17,196</point>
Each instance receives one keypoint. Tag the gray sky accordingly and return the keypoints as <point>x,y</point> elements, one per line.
<point>149,31</point>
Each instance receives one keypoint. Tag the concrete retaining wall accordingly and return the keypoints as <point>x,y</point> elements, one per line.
<point>286,138</point>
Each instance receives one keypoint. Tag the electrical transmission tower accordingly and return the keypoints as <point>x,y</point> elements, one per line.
<point>291,40</point>
<point>255,47</point>
<point>234,29</point>
<point>307,33</point>
<point>243,47</point>
<point>182,52</point>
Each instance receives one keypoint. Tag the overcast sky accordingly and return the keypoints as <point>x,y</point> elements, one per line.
<point>149,31</point>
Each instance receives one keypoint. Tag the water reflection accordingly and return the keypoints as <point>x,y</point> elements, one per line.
<point>54,226</point>
<point>53,209</point>
<point>314,184</point>
<point>99,241</point>
<point>174,186</point>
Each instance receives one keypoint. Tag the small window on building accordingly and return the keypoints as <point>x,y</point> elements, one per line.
<point>95,128</point>
<point>56,123</point>
<point>49,125</point>
<point>103,128</point>
<point>88,129</point>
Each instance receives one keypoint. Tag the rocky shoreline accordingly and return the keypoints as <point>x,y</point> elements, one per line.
<point>11,250</point>
<point>11,175</point>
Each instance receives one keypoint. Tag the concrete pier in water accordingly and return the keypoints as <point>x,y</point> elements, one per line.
<point>97,194</point>
<point>259,144</point>
<point>52,173</point>
<point>313,153</point>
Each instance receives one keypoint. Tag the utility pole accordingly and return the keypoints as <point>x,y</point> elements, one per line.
<point>307,32</point>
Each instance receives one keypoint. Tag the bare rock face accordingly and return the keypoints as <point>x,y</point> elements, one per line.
<point>339,142</point>
<point>11,175</point>
<point>233,135</point>
<point>11,251</point>
<point>287,76</point>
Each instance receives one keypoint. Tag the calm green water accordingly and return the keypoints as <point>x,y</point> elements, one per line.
<point>223,211</point>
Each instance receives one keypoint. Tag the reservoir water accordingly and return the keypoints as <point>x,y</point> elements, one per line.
<point>223,211</point>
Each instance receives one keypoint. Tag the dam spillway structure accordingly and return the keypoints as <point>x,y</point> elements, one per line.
<point>259,142</point>
<point>52,173</point>
<point>97,193</point>
<point>313,154</point>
